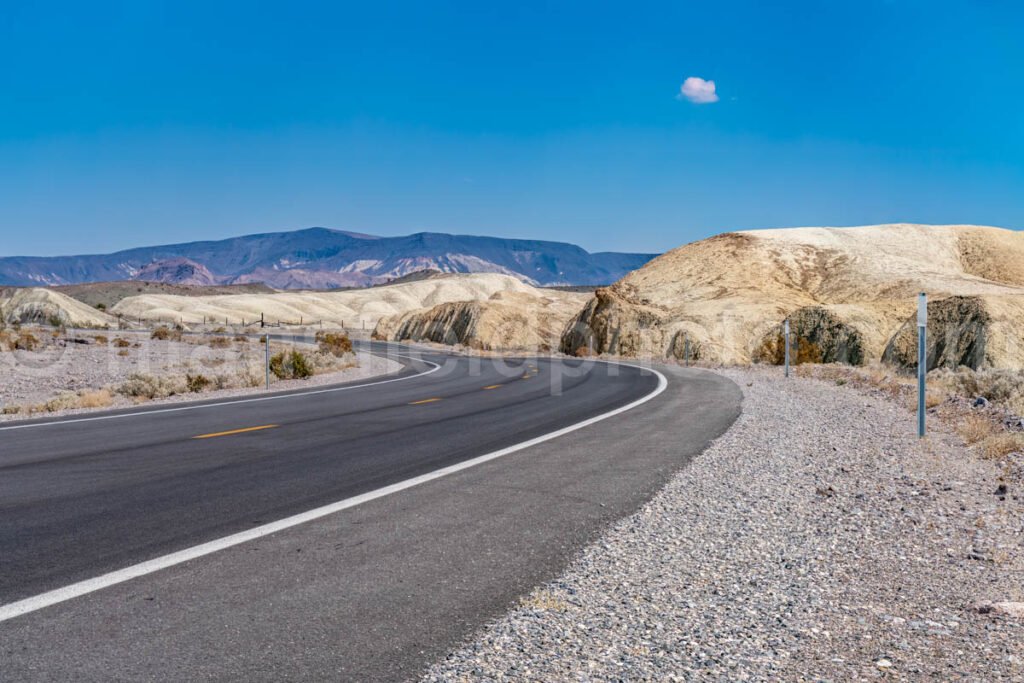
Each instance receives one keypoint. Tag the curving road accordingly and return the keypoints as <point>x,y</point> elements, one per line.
<point>83,497</point>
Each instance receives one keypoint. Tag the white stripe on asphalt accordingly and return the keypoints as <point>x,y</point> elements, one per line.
<point>38,602</point>
<point>275,397</point>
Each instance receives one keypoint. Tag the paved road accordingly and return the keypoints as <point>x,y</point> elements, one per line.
<point>374,592</point>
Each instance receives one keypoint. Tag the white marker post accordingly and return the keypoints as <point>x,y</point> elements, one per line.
<point>266,338</point>
<point>922,360</point>
<point>786,342</point>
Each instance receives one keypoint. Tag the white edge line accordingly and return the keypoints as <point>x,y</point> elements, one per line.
<point>231,402</point>
<point>75,590</point>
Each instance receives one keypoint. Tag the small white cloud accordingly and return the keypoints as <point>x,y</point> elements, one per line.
<point>698,91</point>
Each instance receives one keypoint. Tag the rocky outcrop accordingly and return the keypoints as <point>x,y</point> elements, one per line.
<point>975,332</point>
<point>529,321</point>
<point>846,291</point>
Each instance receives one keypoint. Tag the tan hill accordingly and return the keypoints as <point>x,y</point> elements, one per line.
<point>848,291</point>
<point>39,305</point>
<point>351,307</point>
<point>532,320</point>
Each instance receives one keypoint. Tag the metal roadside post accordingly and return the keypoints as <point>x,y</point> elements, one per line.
<point>686,349</point>
<point>266,338</point>
<point>785,336</point>
<point>922,360</point>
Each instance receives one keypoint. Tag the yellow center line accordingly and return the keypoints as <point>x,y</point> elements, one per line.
<point>426,400</point>
<point>234,431</point>
<point>493,386</point>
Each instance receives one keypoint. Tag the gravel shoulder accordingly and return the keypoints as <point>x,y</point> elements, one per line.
<point>818,539</point>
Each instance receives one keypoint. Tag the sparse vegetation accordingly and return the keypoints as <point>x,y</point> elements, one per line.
<point>142,386</point>
<point>164,333</point>
<point>26,341</point>
<point>101,340</point>
<point>336,344</point>
<point>290,365</point>
<point>122,343</point>
<point>196,383</point>
<point>975,429</point>
<point>218,342</point>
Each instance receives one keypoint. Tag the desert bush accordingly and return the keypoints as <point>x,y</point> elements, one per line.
<point>220,330</point>
<point>123,353</point>
<point>1001,445</point>
<point>336,344</point>
<point>218,342</point>
<point>10,410</point>
<point>1005,387</point>
<point>100,398</point>
<point>241,339</point>
<point>101,340</point>
<point>164,333</point>
<point>975,428</point>
<point>64,401</point>
<point>101,306</point>
<point>122,343</point>
<point>196,383</point>
<point>148,386</point>
<point>26,341</point>
<point>290,365</point>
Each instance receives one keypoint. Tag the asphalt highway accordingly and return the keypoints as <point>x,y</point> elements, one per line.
<point>85,496</point>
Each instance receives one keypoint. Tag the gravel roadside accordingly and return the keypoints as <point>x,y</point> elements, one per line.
<point>818,539</point>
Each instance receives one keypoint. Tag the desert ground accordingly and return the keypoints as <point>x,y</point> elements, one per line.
<point>49,372</point>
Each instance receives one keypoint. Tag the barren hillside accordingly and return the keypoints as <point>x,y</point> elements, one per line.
<point>848,292</point>
<point>351,307</point>
<point>45,306</point>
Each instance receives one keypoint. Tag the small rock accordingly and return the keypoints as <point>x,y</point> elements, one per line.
<point>883,664</point>
<point>980,402</point>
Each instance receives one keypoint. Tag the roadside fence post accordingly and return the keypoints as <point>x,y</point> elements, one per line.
<point>786,342</point>
<point>686,349</point>
<point>266,338</point>
<point>922,361</point>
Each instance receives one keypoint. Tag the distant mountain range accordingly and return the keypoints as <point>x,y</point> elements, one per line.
<point>319,258</point>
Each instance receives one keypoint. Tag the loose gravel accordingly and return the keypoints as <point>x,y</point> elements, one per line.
<point>818,539</point>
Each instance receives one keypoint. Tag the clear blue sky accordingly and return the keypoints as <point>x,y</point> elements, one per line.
<point>132,123</point>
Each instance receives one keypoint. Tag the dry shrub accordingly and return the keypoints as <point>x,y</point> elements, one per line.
<point>196,383</point>
<point>293,365</point>
<point>100,398</point>
<point>975,429</point>
<point>999,386</point>
<point>336,344</point>
<point>1002,445</point>
<point>122,343</point>
<point>149,387</point>
<point>66,400</point>
<point>241,339</point>
<point>101,340</point>
<point>6,341</point>
<point>583,352</point>
<point>218,342</point>
<point>11,410</point>
<point>164,333</point>
<point>220,330</point>
<point>123,353</point>
<point>26,341</point>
